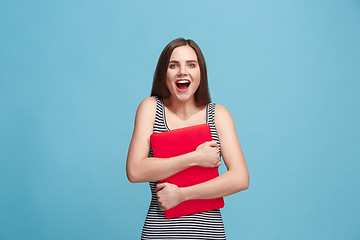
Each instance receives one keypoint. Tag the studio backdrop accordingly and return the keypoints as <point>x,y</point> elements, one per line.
<point>72,74</point>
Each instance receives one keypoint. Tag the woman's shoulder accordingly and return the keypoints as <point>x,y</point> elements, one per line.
<point>222,115</point>
<point>147,108</point>
<point>220,109</point>
<point>149,102</point>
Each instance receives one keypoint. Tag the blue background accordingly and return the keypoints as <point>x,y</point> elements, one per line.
<point>73,73</point>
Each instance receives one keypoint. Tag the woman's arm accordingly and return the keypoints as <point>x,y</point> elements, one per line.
<point>234,180</point>
<point>141,168</point>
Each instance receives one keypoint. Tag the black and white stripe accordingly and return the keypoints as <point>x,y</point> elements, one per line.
<point>205,225</point>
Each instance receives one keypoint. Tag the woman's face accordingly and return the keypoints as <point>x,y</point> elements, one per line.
<point>183,73</point>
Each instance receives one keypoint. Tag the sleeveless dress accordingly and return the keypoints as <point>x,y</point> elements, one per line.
<point>204,225</point>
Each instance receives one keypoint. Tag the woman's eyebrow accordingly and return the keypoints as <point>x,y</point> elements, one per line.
<point>175,61</point>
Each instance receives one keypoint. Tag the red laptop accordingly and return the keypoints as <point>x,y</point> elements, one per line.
<point>177,142</point>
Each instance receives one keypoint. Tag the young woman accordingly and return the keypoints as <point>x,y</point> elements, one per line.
<point>180,98</point>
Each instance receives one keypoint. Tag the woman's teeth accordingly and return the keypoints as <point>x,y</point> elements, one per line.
<point>183,84</point>
<point>183,81</point>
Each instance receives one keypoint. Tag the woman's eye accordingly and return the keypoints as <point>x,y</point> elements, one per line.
<point>172,66</point>
<point>192,65</point>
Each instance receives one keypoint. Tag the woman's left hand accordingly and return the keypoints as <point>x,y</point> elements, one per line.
<point>169,195</point>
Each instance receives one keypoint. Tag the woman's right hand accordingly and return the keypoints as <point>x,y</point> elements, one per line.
<point>208,154</point>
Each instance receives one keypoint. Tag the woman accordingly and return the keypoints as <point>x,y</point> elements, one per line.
<point>180,98</point>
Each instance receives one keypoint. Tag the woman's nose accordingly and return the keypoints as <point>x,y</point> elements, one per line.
<point>182,70</point>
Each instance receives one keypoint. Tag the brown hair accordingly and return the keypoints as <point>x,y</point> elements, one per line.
<point>159,88</point>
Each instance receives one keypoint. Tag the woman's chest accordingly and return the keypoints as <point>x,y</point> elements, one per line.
<point>174,121</point>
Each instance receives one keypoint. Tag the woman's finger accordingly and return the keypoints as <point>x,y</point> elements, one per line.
<point>160,186</point>
<point>213,143</point>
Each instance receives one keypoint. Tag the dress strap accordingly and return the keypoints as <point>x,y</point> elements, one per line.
<point>210,119</point>
<point>210,112</point>
<point>160,121</point>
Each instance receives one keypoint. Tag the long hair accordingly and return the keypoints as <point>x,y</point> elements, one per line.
<point>159,88</point>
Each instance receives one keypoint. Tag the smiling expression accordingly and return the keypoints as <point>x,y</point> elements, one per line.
<point>183,73</point>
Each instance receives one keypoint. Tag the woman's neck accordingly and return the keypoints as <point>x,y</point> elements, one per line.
<point>182,109</point>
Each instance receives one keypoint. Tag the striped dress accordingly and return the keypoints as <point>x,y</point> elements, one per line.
<point>205,225</point>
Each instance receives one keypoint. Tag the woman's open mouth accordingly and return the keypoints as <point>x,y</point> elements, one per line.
<point>182,85</point>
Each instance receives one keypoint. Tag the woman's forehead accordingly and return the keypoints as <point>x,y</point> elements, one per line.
<point>183,53</point>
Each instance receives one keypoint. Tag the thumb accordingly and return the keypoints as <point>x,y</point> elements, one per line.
<point>160,186</point>
<point>213,143</point>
